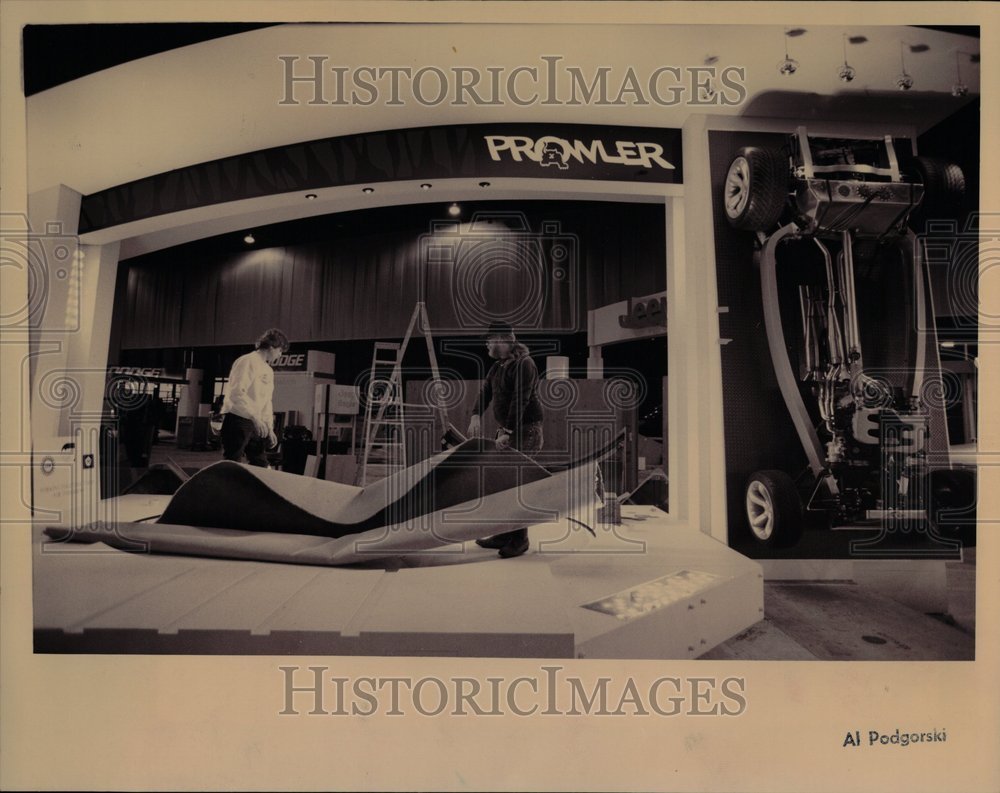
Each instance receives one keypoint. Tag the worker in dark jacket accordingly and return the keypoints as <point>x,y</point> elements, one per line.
<point>512,387</point>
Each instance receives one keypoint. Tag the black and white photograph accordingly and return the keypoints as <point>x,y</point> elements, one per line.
<point>597,367</point>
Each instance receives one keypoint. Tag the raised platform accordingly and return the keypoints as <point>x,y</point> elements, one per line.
<point>460,600</point>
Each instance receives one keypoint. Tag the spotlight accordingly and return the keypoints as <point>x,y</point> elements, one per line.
<point>904,82</point>
<point>484,184</point>
<point>426,186</point>
<point>789,65</point>
<point>367,189</point>
<point>310,196</point>
<point>249,239</point>
<point>454,210</point>
<point>708,90</point>
<point>846,72</point>
<point>959,88</point>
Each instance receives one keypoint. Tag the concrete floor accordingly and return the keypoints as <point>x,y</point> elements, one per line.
<point>817,620</point>
<point>844,620</point>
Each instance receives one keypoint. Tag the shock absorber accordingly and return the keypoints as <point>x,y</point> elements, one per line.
<point>835,337</point>
<point>851,333</point>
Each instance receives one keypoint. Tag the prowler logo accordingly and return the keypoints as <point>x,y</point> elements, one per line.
<point>552,151</point>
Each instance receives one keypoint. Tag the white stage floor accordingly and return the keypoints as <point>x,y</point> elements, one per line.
<point>460,600</point>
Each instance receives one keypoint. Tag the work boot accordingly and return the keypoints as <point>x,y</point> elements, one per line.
<point>516,544</point>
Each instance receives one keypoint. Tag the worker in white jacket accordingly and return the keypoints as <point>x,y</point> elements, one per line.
<point>248,415</point>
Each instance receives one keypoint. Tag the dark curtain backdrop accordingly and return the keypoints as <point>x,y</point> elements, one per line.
<point>360,280</point>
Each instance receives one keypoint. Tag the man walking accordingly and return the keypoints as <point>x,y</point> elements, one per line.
<point>512,387</point>
<point>248,415</point>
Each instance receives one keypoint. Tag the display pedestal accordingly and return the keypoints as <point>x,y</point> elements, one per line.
<point>460,600</point>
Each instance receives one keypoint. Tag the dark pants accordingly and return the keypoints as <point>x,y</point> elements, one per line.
<point>528,441</point>
<point>239,437</point>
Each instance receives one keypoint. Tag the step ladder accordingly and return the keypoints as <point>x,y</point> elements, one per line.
<point>384,438</point>
<point>384,449</point>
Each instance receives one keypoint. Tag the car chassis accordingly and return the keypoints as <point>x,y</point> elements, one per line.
<point>865,438</point>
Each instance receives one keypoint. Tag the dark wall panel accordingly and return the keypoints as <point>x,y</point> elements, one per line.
<point>362,281</point>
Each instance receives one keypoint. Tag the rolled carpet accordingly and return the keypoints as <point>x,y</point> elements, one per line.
<point>240,511</point>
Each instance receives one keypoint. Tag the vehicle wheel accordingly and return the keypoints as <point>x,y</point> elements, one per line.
<point>944,188</point>
<point>774,512</point>
<point>756,189</point>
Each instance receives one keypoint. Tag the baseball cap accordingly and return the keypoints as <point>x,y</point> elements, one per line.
<point>499,329</point>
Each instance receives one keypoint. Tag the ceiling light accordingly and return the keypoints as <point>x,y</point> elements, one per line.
<point>959,88</point>
<point>708,89</point>
<point>310,196</point>
<point>367,189</point>
<point>484,184</point>
<point>454,210</point>
<point>904,82</point>
<point>425,186</point>
<point>846,72</point>
<point>789,65</point>
<point>249,239</point>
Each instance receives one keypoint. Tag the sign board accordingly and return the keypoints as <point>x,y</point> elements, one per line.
<point>474,151</point>
<point>140,371</point>
<point>344,399</point>
<point>636,318</point>
<point>290,362</point>
<point>306,361</point>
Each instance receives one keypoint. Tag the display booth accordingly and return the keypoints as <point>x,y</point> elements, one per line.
<point>723,415</point>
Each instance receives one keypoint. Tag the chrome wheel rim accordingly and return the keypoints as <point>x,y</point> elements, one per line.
<point>737,187</point>
<point>760,510</point>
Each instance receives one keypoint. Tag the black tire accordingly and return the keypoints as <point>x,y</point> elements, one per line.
<point>783,509</point>
<point>944,190</point>
<point>756,189</point>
